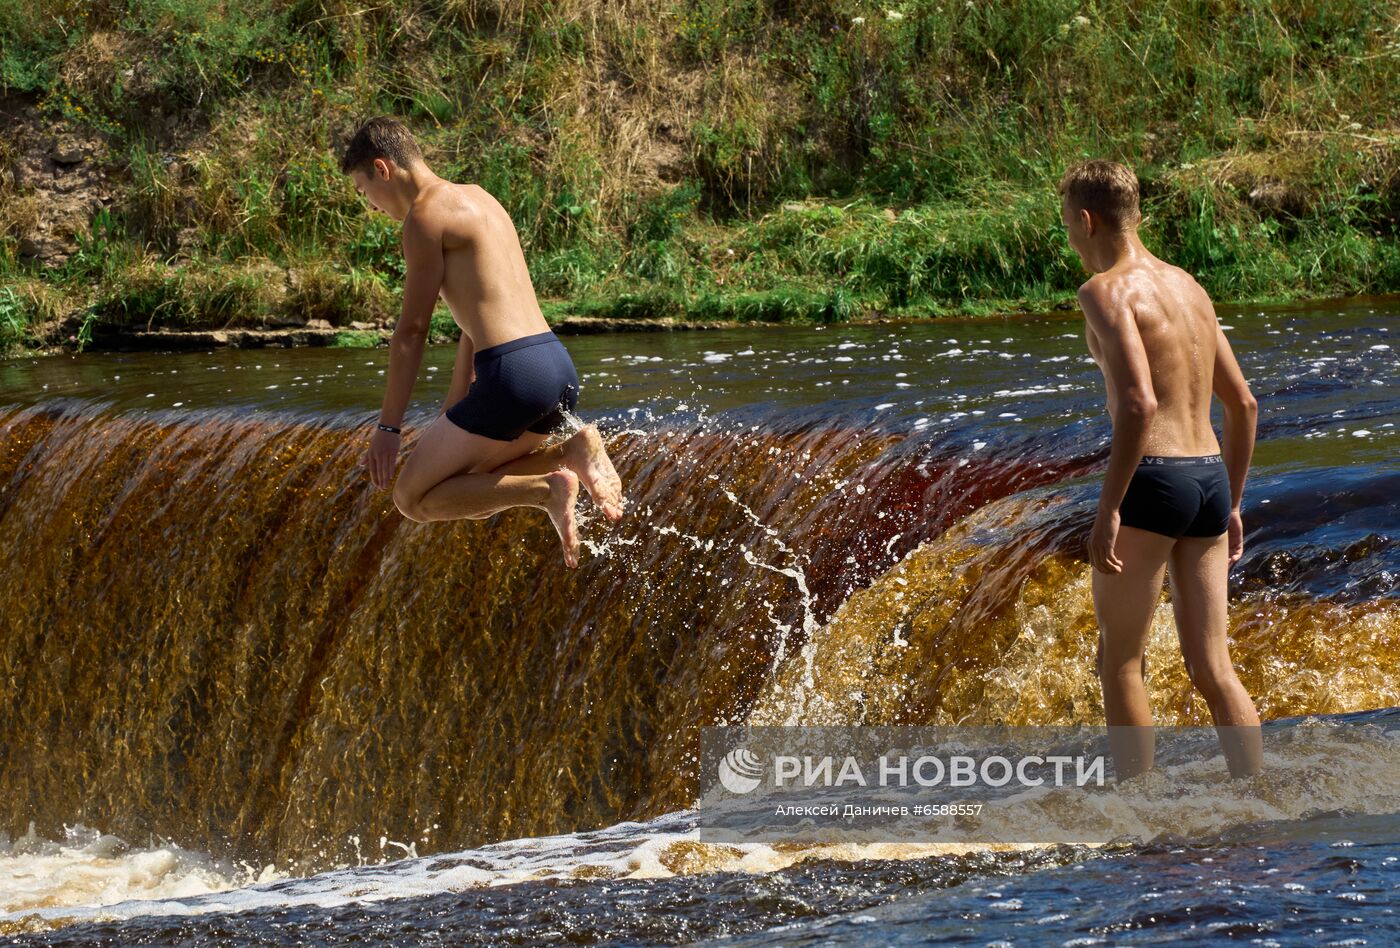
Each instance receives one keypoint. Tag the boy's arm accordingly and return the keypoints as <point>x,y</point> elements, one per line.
<point>462,372</point>
<point>423,270</point>
<point>1241,415</point>
<point>1129,382</point>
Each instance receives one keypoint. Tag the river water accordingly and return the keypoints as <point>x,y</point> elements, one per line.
<point>244,699</point>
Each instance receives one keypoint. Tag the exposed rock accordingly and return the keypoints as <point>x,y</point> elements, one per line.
<point>285,318</point>
<point>57,176</point>
<point>235,338</point>
<point>588,325</point>
<point>67,150</point>
<point>185,240</point>
<point>319,332</point>
<point>1276,199</point>
<point>665,156</point>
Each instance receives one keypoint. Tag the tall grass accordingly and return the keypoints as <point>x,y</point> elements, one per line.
<point>747,160</point>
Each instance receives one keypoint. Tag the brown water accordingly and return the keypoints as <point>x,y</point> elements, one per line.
<point>217,633</point>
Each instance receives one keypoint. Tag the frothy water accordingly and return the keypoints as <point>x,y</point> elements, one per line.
<point>92,869</point>
<point>1324,767</point>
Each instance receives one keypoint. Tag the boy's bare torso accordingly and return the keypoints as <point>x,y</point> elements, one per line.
<point>485,282</point>
<point>1177,325</point>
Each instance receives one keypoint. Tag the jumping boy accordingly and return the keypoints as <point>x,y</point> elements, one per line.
<point>512,380</point>
<point>1170,500</point>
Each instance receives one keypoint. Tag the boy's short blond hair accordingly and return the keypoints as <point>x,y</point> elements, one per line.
<point>381,137</point>
<point>1103,188</point>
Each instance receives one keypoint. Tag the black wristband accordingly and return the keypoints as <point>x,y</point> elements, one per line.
<point>389,428</point>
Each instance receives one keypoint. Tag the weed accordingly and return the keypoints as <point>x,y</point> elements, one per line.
<point>814,161</point>
<point>355,340</point>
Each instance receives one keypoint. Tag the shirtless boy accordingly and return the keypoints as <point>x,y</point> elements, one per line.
<point>1170,499</point>
<point>512,380</point>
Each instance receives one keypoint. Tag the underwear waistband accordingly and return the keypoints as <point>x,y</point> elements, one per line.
<point>514,344</point>
<point>1156,460</point>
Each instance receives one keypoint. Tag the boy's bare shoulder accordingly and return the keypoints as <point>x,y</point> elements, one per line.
<point>449,209</point>
<point>1105,291</point>
<point>1176,289</point>
<point>1128,286</point>
<point>1095,284</point>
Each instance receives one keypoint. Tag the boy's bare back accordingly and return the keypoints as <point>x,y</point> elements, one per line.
<point>485,282</point>
<point>1179,331</point>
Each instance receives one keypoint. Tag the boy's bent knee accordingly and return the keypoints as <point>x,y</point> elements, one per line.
<point>409,505</point>
<point>412,513</point>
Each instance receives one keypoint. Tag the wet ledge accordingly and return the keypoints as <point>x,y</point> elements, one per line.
<point>299,337</point>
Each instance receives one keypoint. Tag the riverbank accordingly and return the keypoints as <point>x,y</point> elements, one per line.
<point>325,336</point>
<point>362,336</point>
<point>172,166</point>
<point>319,334</point>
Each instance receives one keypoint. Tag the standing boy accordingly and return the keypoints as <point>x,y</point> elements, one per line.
<point>512,380</point>
<point>1170,499</point>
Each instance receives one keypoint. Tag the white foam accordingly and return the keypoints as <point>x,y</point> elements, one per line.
<point>90,869</point>
<point>91,876</point>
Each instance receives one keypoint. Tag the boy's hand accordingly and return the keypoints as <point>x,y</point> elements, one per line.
<point>381,458</point>
<point>1236,531</point>
<point>1102,541</point>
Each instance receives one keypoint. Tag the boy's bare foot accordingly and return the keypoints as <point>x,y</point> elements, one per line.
<point>563,491</point>
<point>585,455</point>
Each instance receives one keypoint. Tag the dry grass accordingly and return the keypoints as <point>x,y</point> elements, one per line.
<point>637,143</point>
<point>20,216</point>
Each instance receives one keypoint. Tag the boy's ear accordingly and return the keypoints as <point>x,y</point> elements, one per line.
<point>382,169</point>
<point>1087,219</point>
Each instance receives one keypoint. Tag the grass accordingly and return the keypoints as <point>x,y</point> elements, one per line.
<point>14,321</point>
<point>355,340</point>
<point>711,160</point>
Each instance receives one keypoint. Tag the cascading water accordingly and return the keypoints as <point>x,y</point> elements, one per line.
<point>217,634</point>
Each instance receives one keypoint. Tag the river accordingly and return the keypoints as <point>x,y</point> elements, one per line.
<point>245,699</point>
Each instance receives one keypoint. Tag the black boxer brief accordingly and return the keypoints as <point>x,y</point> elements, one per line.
<point>523,385</point>
<point>1178,497</point>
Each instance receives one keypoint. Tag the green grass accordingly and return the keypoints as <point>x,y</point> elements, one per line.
<point>707,160</point>
<point>355,340</point>
<point>14,320</point>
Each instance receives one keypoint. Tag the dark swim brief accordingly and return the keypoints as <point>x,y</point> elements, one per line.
<point>1178,497</point>
<point>523,385</point>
